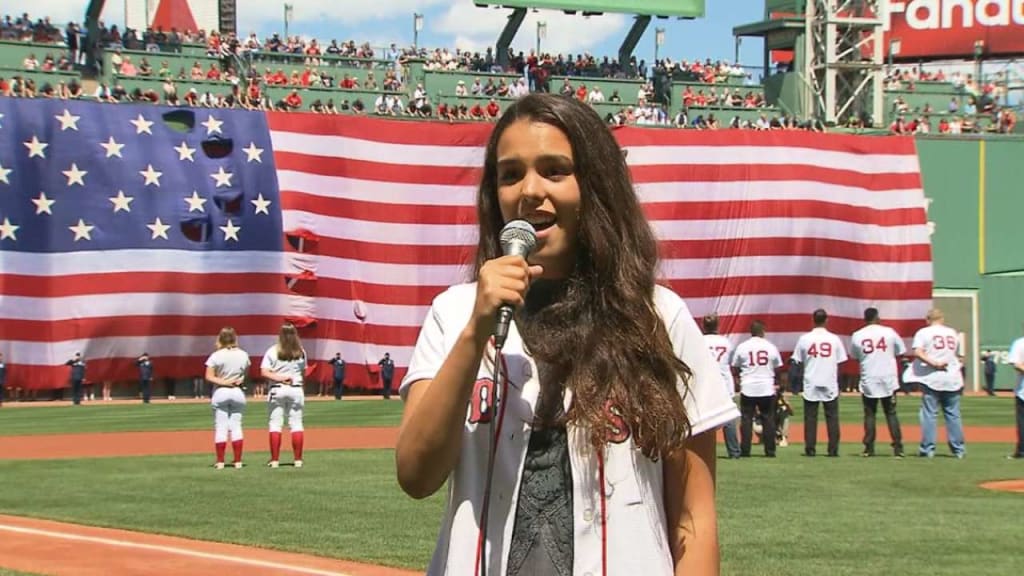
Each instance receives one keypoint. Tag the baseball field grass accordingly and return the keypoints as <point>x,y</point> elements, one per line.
<point>169,416</point>
<point>6,572</point>
<point>788,516</point>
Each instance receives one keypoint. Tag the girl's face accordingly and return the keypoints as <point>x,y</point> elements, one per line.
<point>537,182</point>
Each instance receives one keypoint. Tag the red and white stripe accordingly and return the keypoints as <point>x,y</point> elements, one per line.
<point>767,225</point>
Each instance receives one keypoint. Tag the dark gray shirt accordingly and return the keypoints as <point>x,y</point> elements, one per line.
<point>542,538</point>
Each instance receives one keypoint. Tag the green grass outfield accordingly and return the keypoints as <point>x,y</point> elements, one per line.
<point>170,416</point>
<point>789,516</point>
<point>100,417</point>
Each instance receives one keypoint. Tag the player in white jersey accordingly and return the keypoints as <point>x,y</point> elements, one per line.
<point>757,361</point>
<point>284,366</point>
<point>876,347</point>
<point>1017,361</point>
<point>819,353</point>
<point>938,354</point>
<point>721,349</point>
<point>226,370</point>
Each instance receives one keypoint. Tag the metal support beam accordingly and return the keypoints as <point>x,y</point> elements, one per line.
<point>632,39</point>
<point>93,46</point>
<point>515,20</point>
<point>843,68</point>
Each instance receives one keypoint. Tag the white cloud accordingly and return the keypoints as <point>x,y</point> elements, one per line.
<point>474,28</point>
<point>252,13</point>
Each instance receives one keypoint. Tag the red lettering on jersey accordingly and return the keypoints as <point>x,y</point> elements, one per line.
<point>481,401</point>
<point>761,359</point>
<point>868,346</point>
<point>618,430</point>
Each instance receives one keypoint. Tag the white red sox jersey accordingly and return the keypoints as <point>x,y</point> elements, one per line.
<point>1017,357</point>
<point>721,352</point>
<point>820,352</point>
<point>757,360</point>
<point>229,363</point>
<point>296,369</point>
<point>876,348</point>
<point>633,528</point>
<point>941,344</point>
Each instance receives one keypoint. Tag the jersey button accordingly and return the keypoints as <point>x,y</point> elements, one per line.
<point>588,516</point>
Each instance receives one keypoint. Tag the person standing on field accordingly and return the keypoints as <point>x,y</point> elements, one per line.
<point>721,350</point>
<point>1017,361</point>
<point>938,355</point>
<point>284,366</point>
<point>820,353</point>
<point>757,360</point>
<point>876,347</point>
<point>226,371</point>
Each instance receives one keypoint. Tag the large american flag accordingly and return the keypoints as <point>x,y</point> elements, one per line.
<point>122,233</point>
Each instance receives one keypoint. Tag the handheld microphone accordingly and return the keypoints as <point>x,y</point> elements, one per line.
<point>518,238</point>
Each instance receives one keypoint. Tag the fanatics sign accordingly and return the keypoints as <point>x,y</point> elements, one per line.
<point>951,28</point>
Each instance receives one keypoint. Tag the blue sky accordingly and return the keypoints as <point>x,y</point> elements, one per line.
<point>459,22</point>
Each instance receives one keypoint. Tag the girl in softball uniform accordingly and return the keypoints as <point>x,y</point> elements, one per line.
<point>284,366</point>
<point>225,370</point>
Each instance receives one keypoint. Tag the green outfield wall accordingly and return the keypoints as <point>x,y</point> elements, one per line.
<point>975,193</point>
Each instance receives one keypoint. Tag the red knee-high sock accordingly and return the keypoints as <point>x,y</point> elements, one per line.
<point>220,446</point>
<point>297,440</point>
<point>236,447</point>
<point>275,446</point>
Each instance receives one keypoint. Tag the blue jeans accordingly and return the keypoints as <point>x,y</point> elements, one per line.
<point>1019,452</point>
<point>732,443</point>
<point>950,404</point>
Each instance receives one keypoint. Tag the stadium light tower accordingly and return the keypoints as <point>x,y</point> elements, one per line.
<point>894,50</point>
<point>542,32</point>
<point>979,52</point>
<point>288,14</point>
<point>417,26</point>
<point>659,39</point>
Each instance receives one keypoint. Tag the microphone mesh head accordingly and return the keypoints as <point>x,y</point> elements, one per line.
<point>518,232</point>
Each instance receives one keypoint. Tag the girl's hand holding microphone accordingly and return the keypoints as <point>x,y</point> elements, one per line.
<point>501,281</point>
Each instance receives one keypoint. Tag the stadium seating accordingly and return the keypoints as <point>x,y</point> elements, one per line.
<point>927,99</point>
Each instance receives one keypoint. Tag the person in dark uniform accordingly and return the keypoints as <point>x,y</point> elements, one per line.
<point>77,376</point>
<point>989,359</point>
<point>339,375</point>
<point>3,379</point>
<point>796,377</point>
<point>145,376</point>
<point>387,372</point>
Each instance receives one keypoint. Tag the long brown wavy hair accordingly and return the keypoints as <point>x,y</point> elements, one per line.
<point>288,345</point>
<point>598,332</point>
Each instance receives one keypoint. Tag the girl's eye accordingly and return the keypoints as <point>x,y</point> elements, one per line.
<point>508,177</point>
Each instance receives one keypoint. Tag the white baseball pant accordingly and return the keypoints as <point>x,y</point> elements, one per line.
<point>228,406</point>
<point>288,400</point>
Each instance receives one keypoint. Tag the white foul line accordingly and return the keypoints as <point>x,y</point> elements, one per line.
<point>170,550</point>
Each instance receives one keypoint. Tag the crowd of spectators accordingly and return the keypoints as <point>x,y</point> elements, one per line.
<point>246,66</point>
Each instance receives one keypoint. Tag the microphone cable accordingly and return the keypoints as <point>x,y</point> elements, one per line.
<point>498,405</point>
